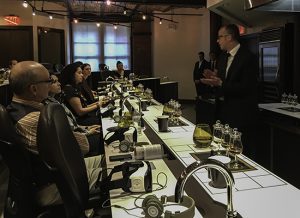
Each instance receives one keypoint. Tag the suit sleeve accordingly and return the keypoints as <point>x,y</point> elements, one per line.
<point>195,76</point>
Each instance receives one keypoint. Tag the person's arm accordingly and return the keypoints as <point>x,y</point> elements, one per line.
<point>75,103</point>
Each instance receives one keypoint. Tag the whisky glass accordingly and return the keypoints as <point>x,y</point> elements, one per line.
<point>202,136</point>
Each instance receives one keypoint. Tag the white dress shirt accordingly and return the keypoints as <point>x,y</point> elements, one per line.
<point>231,57</point>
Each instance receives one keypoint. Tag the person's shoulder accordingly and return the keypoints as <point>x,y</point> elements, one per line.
<point>68,88</point>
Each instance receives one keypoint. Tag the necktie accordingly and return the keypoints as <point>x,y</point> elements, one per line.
<point>212,65</point>
<point>226,61</point>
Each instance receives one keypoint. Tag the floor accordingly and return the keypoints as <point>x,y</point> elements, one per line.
<point>188,111</point>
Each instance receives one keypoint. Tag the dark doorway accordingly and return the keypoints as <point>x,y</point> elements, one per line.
<point>16,43</point>
<point>51,45</point>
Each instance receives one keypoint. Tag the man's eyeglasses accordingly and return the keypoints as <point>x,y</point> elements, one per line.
<point>50,80</point>
<point>220,36</point>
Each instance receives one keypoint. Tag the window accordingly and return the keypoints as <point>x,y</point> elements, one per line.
<point>96,45</point>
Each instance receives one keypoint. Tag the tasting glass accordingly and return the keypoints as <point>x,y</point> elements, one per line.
<point>295,99</point>
<point>284,98</point>
<point>290,99</point>
<point>226,132</point>
<point>217,135</point>
<point>236,147</point>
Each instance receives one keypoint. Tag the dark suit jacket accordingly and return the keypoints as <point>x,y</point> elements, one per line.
<point>210,65</point>
<point>239,90</point>
<point>202,89</point>
<point>199,71</point>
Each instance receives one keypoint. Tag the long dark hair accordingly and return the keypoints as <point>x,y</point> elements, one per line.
<point>84,65</point>
<point>68,74</point>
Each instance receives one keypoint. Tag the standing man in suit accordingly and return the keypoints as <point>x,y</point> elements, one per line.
<point>198,74</point>
<point>212,60</point>
<point>236,81</point>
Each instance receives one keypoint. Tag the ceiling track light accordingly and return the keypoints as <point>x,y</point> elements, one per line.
<point>25,4</point>
<point>125,12</point>
<point>33,13</point>
<point>144,17</point>
<point>75,21</point>
<point>50,17</point>
<point>115,26</point>
<point>108,2</point>
<point>160,21</point>
<point>98,24</point>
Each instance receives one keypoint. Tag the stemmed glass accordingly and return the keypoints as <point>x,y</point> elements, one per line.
<point>177,112</point>
<point>236,147</point>
<point>172,110</point>
<point>226,138</point>
<point>290,99</point>
<point>217,135</point>
<point>295,100</point>
<point>284,98</point>
<point>202,136</point>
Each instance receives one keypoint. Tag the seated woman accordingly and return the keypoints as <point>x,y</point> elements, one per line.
<point>120,73</point>
<point>82,133</point>
<point>70,79</point>
<point>86,90</point>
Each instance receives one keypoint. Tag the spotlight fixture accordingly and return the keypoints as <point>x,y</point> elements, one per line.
<point>108,2</point>
<point>75,21</point>
<point>160,21</point>
<point>115,26</point>
<point>98,24</point>
<point>125,12</point>
<point>25,4</point>
<point>144,17</point>
<point>50,17</point>
<point>33,12</point>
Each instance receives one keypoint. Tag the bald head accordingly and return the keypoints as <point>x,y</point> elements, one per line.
<point>26,74</point>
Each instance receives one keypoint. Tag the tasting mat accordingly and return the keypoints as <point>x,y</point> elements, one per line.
<point>244,166</point>
<point>290,109</point>
<point>258,178</point>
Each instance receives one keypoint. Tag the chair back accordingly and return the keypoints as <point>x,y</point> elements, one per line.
<point>20,191</point>
<point>59,149</point>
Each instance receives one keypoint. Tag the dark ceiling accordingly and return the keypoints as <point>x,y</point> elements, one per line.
<point>100,11</point>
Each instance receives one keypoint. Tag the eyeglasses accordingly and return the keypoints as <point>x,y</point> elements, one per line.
<point>220,36</point>
<point>50,80</point>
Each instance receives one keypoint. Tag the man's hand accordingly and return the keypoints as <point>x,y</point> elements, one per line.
<point>207,73</point>
<point>212,81</point>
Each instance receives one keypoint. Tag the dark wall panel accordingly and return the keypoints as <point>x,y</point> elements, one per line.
<point>15,43</point>
<point>51,46</point>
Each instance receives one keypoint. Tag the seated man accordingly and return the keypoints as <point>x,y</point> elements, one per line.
<point>30,81</point>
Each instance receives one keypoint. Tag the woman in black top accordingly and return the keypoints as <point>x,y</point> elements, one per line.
<point>86,90</point>
<point>92,134</point>
<point>71,78</point>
